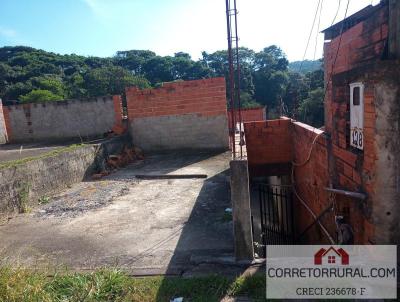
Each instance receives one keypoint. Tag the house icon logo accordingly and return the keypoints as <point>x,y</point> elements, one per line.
<point>331,256</point>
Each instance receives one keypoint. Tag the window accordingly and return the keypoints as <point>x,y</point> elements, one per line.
<point>357,115</point>
<point>356,96</point>
<point>331,259</point>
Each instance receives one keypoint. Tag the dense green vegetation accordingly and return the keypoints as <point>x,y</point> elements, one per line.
<point>31,75</point>
<point>305,66</point>
<point>111,285</point>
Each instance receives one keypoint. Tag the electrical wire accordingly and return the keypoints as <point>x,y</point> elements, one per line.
<point>337,12</point>
<point>337,50</point>
<point>317,32</point>
<point>310,35</point>
<point>294,164</point>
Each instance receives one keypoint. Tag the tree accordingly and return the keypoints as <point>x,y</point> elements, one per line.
<point>311,110</point>
<point>133,60</point>
<point>40,95</point>
<point>270,75</point>
<point>50,83</point>
<point>159,69</point>
<point>111,80</point>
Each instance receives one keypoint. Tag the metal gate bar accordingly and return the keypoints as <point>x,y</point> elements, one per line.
<point>276,215</point>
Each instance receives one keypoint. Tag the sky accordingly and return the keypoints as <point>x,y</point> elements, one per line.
<point>102,27</point>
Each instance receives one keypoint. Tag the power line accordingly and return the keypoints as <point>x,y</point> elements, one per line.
<point>337,12</point>
<point>309,37</point>
<point>317,33</point>
<point>304,203</point>
<point>338,48</point>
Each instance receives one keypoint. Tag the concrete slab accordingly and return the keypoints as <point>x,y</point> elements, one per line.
<point>142,226</point>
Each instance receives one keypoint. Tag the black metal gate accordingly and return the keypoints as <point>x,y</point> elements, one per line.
<point>273,220</point>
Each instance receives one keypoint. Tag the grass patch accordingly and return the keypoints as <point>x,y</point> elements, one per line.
<point>23,197</point>
<point>44,200</point>
<point>113,285</point>
<point>18,162</point>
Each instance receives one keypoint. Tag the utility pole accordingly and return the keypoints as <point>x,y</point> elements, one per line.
<point>234,75</point>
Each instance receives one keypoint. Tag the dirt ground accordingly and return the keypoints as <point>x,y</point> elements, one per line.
<point>159,226</point>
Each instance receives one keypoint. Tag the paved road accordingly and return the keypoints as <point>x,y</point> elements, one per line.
<point>144,226</point>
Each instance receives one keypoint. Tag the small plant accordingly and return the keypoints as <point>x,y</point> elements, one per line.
<point>44,199</point>
<point>23,198</point>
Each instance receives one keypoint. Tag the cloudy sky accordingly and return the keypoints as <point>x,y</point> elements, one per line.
<point>101,27</point>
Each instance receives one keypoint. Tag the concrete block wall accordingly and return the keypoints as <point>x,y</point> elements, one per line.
<point>57,121</point>
<point>179,115</point>
<point>3,130</point>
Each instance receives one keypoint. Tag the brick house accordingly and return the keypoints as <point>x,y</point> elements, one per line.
<point>351,167</point>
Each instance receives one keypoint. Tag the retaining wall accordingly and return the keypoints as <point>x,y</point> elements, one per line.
<point>21,185</point>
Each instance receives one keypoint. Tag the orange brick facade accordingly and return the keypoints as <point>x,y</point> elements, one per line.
<point>204,97</point>
<point>179,115</point>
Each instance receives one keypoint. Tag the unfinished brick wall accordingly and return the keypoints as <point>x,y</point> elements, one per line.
<point>273,145</point>
<point>179,115</point>
<point>58,121</point>
<point>310,180</point>
<point>3,129</point>
<point>268,142</point>
<point>248,115</point>
<point>361,45</point>
<point>359,59</point>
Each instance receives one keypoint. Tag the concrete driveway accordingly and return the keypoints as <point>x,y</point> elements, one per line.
<point>157,226</point>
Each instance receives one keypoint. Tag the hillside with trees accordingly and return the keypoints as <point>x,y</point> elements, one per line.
<point>32,75</point>
<point>305,66</point>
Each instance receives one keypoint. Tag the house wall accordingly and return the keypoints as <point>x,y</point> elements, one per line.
<point>359,46</point>
<point>179,115</point>
<point>374,170</point>
<point>57,121</point>
<point>3,130</point>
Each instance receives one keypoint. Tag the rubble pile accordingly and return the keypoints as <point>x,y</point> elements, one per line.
<point>115,162</point>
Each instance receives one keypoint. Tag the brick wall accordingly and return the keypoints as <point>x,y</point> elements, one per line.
<point>361,45</point>
<point>3,129</point>
<point>274,144</point>
<point>57,121</point>
<point>179,115</point>
<point>248,115</point>
<point>374,170</point>
<point>268,142</point>
<point>310,180</point>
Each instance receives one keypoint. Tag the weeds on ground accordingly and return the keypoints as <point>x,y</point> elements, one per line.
<point>23,197</point>
<point>113,285</point>
<point>44,200</point>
